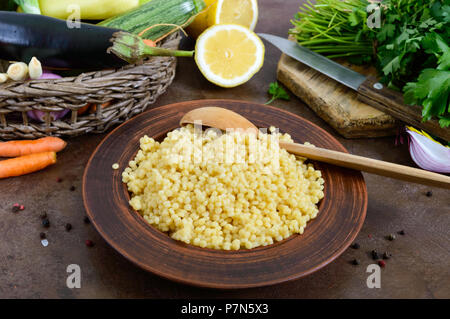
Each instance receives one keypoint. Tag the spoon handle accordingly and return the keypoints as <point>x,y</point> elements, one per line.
<point>369,165</point>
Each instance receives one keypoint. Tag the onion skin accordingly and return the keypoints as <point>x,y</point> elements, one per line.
<point>428,154</point>
<point>40,115</point>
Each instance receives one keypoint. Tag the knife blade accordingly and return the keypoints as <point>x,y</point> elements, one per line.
<point>316,61</point>
<point>369,90</point>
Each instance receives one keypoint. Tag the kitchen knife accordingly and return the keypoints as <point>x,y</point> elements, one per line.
<point>369,90</point>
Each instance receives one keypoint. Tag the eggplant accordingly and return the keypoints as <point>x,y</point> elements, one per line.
<point>54,44</point>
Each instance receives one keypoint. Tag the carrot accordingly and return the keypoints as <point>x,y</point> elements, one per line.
<point>26,164</point>
<point>20,148</point>
<point>94,107</point>
<point>84,109</point>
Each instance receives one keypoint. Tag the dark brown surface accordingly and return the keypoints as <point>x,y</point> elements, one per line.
<point>419,267</point>
<point>341,214</point>
<point>391,102</point>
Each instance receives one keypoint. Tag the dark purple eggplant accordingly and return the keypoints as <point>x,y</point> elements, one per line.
<point>54,44</point>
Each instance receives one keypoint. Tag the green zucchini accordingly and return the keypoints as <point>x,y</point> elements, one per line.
<point>175,12</point>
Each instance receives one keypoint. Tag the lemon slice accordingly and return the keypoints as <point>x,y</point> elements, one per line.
<point>229,54</point>
<point>242,12</point>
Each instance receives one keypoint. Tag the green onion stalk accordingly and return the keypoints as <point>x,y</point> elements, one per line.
<point>336,29</point>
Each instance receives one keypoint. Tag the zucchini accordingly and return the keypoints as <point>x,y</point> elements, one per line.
<point>177,12</point>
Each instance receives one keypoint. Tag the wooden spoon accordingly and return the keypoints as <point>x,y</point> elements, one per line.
<point>222,119</point>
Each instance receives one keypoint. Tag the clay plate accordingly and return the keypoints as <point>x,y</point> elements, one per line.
<point>341,215</point>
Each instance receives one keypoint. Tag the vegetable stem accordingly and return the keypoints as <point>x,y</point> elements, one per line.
<point>131,48</point>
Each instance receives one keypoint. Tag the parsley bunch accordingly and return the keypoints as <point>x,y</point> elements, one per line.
<point>411,49</point>
<point>413,56</point>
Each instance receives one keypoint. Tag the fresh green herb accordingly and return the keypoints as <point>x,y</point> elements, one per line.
<point>408,40</point>
<point>335,29</point>
<point>29,6</point>
<point>432,88</point>
<point>277,92</point>
<point>410,49</point>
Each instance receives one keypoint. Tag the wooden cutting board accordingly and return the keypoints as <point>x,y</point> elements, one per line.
<point>334,102</point>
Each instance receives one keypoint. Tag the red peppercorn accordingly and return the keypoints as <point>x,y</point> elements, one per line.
<point>89,243</point>
<point>59,180</point>
<point>370,235</point>
<point>382,263</point>
<point>21,207</point>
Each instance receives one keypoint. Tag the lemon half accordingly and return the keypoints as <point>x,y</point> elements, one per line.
<point>229,54</point>
<point>242,12</point>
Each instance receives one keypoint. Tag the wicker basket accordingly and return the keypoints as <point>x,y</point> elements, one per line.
<point>129,91</point>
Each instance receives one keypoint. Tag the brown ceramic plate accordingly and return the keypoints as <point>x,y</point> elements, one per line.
<point>341,215</point>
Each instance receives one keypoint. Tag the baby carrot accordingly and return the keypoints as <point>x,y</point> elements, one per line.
<point>26,164</point>
<point>20,148</point>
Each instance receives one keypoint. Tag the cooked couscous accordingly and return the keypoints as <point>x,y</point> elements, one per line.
<point>223,191</point>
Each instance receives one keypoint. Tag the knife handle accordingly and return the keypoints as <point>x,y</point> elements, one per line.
<point>391,102</point>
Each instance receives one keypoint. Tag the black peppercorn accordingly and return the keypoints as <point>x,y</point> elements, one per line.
<point>375,255</point>
<point>429,194</point>
<point>68,227</point>
<point>45,223</point>
<point>42,235</point>
<point>355,246</point>
<point>355,262</point>
<point>86,220</point>
<point>72,188</point>
<point>402,232</point>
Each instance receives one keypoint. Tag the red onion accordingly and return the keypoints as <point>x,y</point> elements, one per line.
<point>428,154</point>
<point>40,115</point>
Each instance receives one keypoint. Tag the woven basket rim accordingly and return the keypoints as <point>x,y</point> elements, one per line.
<point>128,89</point>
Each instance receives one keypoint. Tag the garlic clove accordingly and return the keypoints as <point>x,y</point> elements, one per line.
<point>18,71</point>
<point>3,77</point>
<point>35,69</point>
